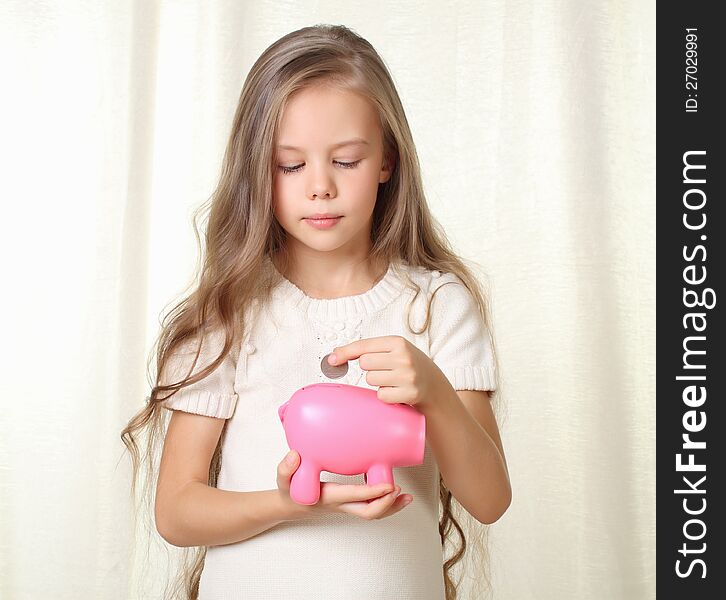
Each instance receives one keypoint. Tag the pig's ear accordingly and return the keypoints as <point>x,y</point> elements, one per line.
<point>459,342</point>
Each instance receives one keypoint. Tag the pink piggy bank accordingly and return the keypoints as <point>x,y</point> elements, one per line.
<point>346,429</point>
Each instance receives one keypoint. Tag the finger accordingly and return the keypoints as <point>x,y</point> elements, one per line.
<point>355,349</point>
<point>338,493</point>
<point>375,509</point>
<point>372,509</point>
<point>378,361</point>
<point>400,503</point>
<point>382,378</point>
<point>286,469</point>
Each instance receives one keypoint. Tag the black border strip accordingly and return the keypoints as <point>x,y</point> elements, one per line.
<point>690,354</point>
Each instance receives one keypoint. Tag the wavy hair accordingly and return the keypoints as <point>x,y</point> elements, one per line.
<point>242,234</point>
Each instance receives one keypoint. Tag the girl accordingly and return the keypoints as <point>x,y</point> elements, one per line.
<point>320,242</point>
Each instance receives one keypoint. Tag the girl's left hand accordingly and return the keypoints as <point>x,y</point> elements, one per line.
<point>404,373</point>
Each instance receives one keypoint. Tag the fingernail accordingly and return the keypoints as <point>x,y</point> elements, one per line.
<point>332,359</point>
<point>290,458</point>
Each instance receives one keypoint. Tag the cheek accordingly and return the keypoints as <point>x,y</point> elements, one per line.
<point>278,195</point>
<point>276,187</point>
<point>373,175</point>
<point>282,208</point>
<point>365,185</point>
<point>285,185</point>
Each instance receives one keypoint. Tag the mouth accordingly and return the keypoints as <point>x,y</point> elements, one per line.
<point>320,217</point>
<point>323,222</point>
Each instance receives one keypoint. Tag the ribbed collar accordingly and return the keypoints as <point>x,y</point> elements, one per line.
<point>383,292</point>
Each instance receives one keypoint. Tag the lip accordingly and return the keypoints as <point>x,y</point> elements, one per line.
<point>323,216</point>
<point>323,223</point>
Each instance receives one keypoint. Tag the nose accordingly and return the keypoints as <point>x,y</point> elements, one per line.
<point>321,183</point>
<point>318,193</point>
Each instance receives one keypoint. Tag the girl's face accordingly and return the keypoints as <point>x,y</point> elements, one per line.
<point>316,174</point>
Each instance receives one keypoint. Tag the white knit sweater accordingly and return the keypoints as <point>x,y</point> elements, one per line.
<point>332,556</point>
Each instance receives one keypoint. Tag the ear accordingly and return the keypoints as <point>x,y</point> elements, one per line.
<point>389,163</point>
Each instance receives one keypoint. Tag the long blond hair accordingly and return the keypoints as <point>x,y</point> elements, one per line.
<point>242,233</point>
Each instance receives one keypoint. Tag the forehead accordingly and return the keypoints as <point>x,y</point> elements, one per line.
<point>324,117</point>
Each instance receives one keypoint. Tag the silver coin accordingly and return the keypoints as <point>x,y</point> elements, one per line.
<point>333,371</point>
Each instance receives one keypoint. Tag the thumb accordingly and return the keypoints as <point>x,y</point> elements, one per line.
<point>286,468</point>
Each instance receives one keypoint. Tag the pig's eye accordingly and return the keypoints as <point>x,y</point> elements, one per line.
<point>296,168</point>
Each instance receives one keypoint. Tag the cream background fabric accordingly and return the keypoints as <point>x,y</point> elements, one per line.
<point>535,125</point>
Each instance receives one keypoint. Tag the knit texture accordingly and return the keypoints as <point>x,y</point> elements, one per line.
<point>333,556</point>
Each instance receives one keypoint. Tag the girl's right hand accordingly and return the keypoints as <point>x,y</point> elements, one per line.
<point>368,502</point>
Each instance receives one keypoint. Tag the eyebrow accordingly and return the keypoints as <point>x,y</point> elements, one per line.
<point>353,142</point>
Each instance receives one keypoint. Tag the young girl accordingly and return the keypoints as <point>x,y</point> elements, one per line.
<point>320,242</point>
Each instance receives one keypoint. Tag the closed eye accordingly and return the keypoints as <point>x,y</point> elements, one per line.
<point>296,168</point>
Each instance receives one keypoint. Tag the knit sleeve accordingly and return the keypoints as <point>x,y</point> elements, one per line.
<point>459,341</point>
<point>213,396</point>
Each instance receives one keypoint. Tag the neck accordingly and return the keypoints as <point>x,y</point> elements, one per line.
<point>327,277</point>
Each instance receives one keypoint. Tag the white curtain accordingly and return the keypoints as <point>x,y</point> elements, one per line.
<point>535,124</point>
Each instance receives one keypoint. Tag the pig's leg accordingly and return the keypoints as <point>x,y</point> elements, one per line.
<point>379,474</point>
<point>305,483</point>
